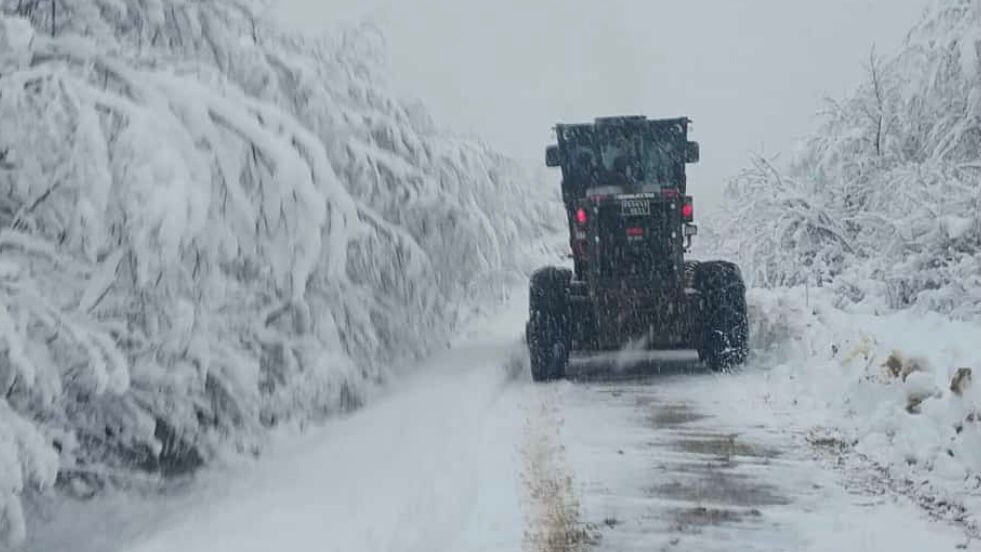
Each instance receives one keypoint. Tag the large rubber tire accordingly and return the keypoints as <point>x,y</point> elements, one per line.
<point>725,325</point>
<point>549,331</point>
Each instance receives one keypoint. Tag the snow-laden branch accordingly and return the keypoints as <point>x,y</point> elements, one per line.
<point>882,203</point>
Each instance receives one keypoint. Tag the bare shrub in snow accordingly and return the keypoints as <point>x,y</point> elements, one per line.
<point>961,380</point>
<point>208,227</point>
<point>899,366</point>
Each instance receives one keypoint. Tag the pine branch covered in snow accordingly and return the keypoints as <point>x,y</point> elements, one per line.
<point>883,202</point>
<point>208,227</point>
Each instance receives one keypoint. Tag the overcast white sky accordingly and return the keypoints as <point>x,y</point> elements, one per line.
<point>751,73</point>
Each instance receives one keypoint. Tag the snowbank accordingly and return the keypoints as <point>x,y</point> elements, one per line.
<point>897,387</point>
<point>208,228</point>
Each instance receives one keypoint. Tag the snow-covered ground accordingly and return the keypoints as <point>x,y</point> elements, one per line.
<point>431,466</point>
<point>468,455</point>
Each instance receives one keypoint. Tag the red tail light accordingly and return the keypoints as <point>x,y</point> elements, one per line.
<point>635,232</point>
<point>688,210</point>
<point>581,216</point>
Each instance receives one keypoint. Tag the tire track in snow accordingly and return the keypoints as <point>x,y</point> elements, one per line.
<point>552,510</point>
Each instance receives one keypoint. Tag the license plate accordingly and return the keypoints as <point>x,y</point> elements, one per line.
<point>635,208</point>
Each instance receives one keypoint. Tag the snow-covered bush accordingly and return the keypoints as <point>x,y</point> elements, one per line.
<point>883,203</point>
<point>208,227</point>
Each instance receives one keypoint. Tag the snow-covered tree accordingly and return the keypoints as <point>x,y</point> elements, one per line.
<point>208,227</point>
<point>883,201</point>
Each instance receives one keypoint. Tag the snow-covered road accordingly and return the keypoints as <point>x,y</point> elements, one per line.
<point>431,467</point>
<point>468,455</point>
<point>678,460</point>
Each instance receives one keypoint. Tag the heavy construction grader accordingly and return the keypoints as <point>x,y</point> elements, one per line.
<point>631,224</point>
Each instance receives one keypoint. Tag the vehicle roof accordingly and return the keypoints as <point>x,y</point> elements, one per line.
<point>626,120</point>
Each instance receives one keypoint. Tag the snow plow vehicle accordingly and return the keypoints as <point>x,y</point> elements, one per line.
<point>631,224</point>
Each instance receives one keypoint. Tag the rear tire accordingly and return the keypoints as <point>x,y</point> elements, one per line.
<point>549,331</point>
<point>725,325</point>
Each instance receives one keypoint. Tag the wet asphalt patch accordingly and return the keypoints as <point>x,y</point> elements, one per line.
<point>722,446</point>
<point>714,486</point>
<point>694,519</point>
<point>674,415</point>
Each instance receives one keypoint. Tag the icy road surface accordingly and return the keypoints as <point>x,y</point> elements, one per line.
<point>468,455</point>
<point>677,460</point>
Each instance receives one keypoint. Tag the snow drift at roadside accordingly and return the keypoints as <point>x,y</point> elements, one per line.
<point>209,227</point>
<point>896,388</point>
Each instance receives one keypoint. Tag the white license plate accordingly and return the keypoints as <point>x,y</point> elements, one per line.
<point>635,208</point>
